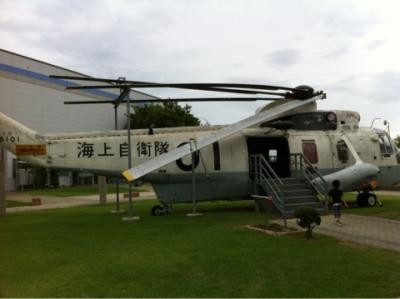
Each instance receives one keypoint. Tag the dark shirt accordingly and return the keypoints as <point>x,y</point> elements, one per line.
<point>336,195</point>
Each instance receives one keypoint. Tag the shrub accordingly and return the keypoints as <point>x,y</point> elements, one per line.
<point>307,218</point>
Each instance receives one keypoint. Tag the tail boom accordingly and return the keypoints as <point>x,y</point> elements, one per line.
<point>19,139</point>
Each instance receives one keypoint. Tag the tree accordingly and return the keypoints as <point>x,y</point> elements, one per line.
<point>307,218</point>
<point>168,114</point>
<point>397,141</point>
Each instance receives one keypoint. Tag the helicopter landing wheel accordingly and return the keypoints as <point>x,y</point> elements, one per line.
<point>371,200</point>
<point>157,211</point>
<point>366,199</point>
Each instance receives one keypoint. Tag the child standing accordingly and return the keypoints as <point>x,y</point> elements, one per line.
<point>336,195</point>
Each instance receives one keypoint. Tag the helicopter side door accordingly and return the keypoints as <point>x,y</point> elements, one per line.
<point>275,150</point>
<point>317,148</point>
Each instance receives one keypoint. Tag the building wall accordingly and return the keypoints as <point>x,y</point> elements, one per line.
<point>29,96</point>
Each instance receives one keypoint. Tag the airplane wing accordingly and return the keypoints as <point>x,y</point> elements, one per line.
<point>180,152</point>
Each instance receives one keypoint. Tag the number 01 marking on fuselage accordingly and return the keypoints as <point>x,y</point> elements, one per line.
<point>188,167</point>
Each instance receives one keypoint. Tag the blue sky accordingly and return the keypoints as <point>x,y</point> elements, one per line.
<point>349,49</point>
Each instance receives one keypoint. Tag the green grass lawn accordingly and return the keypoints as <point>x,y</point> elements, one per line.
<point>78,191</point>
<point>390,209</point>
<point>87,252</point>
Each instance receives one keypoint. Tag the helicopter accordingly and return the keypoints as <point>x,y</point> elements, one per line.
<point>288,152</point>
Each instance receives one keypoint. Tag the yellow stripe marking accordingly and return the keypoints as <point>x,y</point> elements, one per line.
<point>30,150</point>
<point>127,174</point>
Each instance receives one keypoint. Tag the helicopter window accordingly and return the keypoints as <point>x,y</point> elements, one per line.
<point>272,155</point>
<point>315,121</point>
<point>342,151</point>
<point>385,145</point>
<point>306,121</point>
<point>310,151</point>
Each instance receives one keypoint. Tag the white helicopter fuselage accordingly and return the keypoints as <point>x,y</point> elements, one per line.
<point>222,169</point>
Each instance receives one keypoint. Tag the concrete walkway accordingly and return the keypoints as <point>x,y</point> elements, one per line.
<point>372,231</point>
<point>52,202</point>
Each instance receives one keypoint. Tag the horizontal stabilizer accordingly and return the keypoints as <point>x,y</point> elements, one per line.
<point>180,152</point>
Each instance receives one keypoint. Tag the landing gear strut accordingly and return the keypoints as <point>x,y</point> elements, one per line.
<point>157,211</point>
<point>160,210</point>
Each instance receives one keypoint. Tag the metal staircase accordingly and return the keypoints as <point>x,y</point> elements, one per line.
<point>288,194</point>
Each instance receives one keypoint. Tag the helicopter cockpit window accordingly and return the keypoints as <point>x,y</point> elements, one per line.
<point>310,151</point>
<point>309,121</point>
<point>385,145</point>
<point>342,152</point>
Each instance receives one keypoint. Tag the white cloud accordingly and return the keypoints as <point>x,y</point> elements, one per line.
<point>347,48</point>
<point>284,58</point>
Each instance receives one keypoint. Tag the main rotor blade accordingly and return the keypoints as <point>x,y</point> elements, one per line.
<point>229,90</point>
<point>227,85</point>
<point>177,85</point>
<point>95,79</point>
<point>180,152</point>
<point>189,85</point>
<point>133,101</point>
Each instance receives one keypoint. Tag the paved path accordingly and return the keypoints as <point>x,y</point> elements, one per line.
<point>52,202</point>
<point>372,231</point>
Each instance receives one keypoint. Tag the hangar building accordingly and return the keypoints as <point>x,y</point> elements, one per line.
<point>29,96</point>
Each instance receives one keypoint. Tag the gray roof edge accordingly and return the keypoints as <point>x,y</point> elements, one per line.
<point>62,68</point>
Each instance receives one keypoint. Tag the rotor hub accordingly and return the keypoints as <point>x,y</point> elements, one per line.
<point>303,92</point>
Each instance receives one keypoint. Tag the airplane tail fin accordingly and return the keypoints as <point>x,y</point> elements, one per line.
<point>19,139</point>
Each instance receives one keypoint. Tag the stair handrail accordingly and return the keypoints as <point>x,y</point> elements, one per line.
<point>273,186</point>
<point>264,173</point>
<point>310,174</point>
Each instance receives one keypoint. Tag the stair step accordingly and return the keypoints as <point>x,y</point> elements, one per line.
<point>298,192</point>
<point>289,187</point>
<point>302,204</point>
<point>294,184</point>
<point>289,180</point>
<point>298,196</point>
<point>299,200</point>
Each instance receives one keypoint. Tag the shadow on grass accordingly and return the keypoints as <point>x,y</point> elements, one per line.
<point>14,203</point>
<point>222,206</point>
